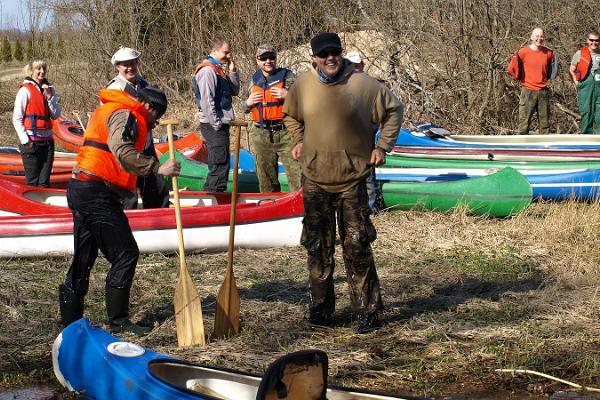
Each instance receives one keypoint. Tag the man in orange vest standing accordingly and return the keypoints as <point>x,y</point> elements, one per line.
<point>107,166</point>
<point>267,90</point>
<point>215,80</point>
<point>586,75</point>
<point>532,66</point>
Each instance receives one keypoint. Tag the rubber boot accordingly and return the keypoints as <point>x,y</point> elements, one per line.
<point>117,309</point>
<point>71,305</point>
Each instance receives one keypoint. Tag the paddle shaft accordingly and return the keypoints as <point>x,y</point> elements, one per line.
<point>188,310</point>
<point>227,315</point>
<point>175,185</point>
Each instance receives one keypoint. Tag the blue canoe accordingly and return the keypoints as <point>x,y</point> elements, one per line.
<point>90,361</point>
<point>556,185</point>
<point>429,138</point>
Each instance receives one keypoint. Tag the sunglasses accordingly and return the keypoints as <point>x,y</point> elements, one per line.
<point>329,52</point>
<point>594,40</point>
<point>266,57</point>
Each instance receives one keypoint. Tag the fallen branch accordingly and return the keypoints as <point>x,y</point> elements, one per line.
<point>530,372</point>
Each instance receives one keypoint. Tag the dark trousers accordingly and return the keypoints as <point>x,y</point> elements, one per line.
<point>356,234</point>
<point>37,162</point>
<point>99,223</point>
<point>217,144</point>
<point>153,189</point>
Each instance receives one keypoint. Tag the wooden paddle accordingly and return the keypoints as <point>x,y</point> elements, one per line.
<point>188,310</point>
<point>227,315</point>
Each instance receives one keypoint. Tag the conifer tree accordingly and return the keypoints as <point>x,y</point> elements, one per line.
<point>18,55</point>
<point>29,49</point>
<point>6,53</point>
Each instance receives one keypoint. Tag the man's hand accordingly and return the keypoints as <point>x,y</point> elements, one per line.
<point>231,64</point>
<point>170,168</point>
<point>253,99</point>
<point>377,157</point>
<point>297,151</point>
<point>279,93</point>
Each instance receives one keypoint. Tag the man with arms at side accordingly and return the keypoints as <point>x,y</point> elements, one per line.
<point>585,73</point>
<point>106,169</point>
<point>330,111</point>
<point>215,81</point>
<point>532,66</point>
<point>153,189</point>
<point>264,98</point>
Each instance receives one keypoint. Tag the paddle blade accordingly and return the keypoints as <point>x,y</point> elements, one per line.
<point>227,315</point>
<point>188,312</point>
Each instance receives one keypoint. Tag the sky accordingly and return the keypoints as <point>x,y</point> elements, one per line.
<point>10,14</point>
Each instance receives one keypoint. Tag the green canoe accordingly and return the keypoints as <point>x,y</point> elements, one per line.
<point>193,175</point>
<point>410,162</point>
<point>501,194</point>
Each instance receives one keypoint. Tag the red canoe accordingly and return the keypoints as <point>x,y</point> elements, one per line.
<point>262,220</point>
<point>69,135</point>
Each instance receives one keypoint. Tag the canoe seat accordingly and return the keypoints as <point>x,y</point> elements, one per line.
<point>297,376</point>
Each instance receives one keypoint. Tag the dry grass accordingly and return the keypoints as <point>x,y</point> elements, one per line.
<point>464,296</point>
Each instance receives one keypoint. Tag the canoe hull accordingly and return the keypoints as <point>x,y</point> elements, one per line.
<point>406,138</point>
<point>500,194</point>
<point>556,185</point>
<point>88,360</point>
<point>262,220</point>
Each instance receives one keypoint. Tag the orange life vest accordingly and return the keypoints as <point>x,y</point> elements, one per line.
<point>224,92</point>
<point>584,64</point>
<point>270,108</point>
<point>37,111</point>
<point>94,155</point>
<point>515,67</point>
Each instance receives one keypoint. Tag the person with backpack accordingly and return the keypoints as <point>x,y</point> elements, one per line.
<point>215,81</point>
<point>533,65</point>
<point>265,95</point>
<point>586,75</point>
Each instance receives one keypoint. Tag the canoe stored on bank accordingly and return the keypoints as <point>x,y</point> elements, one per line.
<point>429,138</point>
<point>556,185</point>
<point>193,176</point>
<point>69,135</point>
<point>88,360</point>
<point>18,199</point>
<point>424,162</point>
<point>265,222</point>
<point>513,154</point>
<point>501,194</point>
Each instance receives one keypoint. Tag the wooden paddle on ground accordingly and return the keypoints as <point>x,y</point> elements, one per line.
<point>188,310</point>
<point>227,314</point>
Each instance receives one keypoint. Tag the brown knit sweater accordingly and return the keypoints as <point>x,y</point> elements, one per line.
<point>335,122</point>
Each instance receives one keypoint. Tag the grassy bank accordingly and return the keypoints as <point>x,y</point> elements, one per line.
<point>464,296</point>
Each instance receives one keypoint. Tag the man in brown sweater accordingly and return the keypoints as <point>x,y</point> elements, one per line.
<point>330,111</point>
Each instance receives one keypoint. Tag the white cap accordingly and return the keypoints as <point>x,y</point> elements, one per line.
<point>124,54</point>
<point>354,56</point>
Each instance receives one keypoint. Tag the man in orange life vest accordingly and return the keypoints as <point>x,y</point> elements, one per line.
<point>107,166</point>
<point>215,81</point>
<point>586,75</point>
<point>272,142</point>
<point>532,66</point>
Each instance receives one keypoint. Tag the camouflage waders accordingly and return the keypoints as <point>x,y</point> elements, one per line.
<point>272,146</point>
<point>356,234</point>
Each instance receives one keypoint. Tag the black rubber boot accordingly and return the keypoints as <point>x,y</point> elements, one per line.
<point>71,305</point>
<point>367,323</point>
<point>117,309</point>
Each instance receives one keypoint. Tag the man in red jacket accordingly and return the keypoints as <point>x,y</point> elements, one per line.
<point>532,66</point>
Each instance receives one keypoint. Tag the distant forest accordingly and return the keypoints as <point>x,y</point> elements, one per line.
<point>446,59</point>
